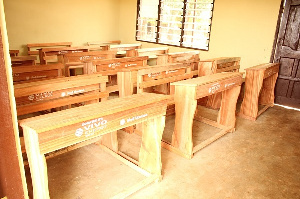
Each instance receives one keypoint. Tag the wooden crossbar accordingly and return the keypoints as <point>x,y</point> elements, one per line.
<point>43,134</point>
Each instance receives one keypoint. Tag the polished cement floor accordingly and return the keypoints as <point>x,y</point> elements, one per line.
<point>260,159</point>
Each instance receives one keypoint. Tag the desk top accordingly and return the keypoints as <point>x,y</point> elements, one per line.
<point>94,111</point>
<point>262,66</point>
<point>199,81</point>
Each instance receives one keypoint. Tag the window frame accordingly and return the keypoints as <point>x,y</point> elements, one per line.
<point>182,29</point>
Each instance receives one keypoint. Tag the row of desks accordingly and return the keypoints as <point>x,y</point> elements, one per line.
<point>50,132</point>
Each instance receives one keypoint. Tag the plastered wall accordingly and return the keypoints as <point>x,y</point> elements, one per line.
<point>77,21</point>
<point>239,28</point>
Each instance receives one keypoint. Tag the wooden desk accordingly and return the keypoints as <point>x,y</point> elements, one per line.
<point>47,133</point>
<point>186,94</point>
<point>259,89</point>
<point>217,65</point>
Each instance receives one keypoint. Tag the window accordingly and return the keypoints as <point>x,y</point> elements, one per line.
<point>184,23</point>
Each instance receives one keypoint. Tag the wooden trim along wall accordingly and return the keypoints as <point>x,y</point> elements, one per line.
<point>12,174</point>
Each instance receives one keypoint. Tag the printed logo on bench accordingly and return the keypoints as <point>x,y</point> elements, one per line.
<point>214,88</point>
<point>63,94</point>
<point>91,127</point>
<point>230,84</point>
<point>123,121</point>
<point>40,96</point>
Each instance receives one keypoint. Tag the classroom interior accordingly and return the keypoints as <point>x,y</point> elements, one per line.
<point>255,158</point>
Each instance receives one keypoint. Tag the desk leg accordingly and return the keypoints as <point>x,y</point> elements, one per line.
<point>267,93</point>
<point>185,108</point>
<point>226,114</point>
<point>150,152</point>
<point>37,163</point>
<point>253,85</point>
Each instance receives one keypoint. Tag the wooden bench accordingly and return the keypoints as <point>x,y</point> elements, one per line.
<point>186,94</point>
<point>23,60</point>
<point>37,72</point>
<point>32,48</point>
<point>86,124</point>
<point>259,89</point>
<point>111,67</point>
<point>47,54</point>
<point>43,95</point>
<point>191,57</point>
<point>217,65</point>
<point>78,59</point>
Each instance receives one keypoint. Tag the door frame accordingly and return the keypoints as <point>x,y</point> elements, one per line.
<point>12,180</point>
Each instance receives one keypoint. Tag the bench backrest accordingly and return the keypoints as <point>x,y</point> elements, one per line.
<point>189,57</point>
<point>23,60</point>
<point>112,66</point>
<point>162,74</point>
<point>128,77</point>
<point>218,65</point>
<point>43,95</point>
<point>32,48</point>
<point>150,52</point>
<point>37,72</point>
<point>89,56</point>
<point>47,54</point>
<point>79,60</point>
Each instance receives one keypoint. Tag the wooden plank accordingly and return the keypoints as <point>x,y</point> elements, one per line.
<point>37,164</point>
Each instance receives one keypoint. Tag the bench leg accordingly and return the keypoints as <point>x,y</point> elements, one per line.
<point>37,163</point>
<point>226,114</point>
<point>110,140</point>
<point>150,152</point>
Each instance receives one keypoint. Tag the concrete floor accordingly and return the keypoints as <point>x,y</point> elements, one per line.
<point>260,159</point>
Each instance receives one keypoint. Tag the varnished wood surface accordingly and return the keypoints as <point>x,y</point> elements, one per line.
<point>80,114</point>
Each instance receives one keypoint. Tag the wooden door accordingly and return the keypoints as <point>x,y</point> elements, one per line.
<point>287,91</point>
